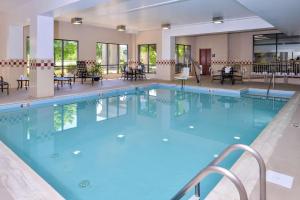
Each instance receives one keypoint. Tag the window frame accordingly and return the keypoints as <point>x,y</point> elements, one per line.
<point>148,56</point>
<point>107,56</point>
<point>185,47</point>
<point>276,44</point>
<point>62,53</point>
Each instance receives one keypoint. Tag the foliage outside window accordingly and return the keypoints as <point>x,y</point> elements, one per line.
<point>268,48</point>
<point>27,53</point>
<point>65,117</point>
<point>147,55</point>
<point>183,53</point>
<point>111,56</point>
<point>183,56</point>
<point>65,56</point>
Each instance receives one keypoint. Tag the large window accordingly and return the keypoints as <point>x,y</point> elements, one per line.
<point>65,56</point>
<point>147,55</point>
<point>111,56</point>
<point>27,53</point>
<point>183,54</point>
<point>269,48</point>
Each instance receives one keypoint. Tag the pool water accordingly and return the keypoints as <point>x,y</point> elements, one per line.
<point>136,145</point>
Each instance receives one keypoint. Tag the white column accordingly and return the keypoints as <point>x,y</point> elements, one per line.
<point>165,68</point>
<point>12,63</point>
<point>41,53</point>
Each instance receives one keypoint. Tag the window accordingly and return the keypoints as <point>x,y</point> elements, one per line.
<point>147,55</point>
<point>27,53</point>
<point>111,56</point>
<point>65,56</point>
<point>269,48</point>
<point>183,56</point>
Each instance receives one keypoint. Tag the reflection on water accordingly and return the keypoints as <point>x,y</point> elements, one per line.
<point>111,107</point>
<point>65,117</point>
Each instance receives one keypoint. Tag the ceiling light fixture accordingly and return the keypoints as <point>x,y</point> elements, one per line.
<point>166,26</point>
<point>217,20</point>
<point>121,28</point>
<point>76,20</point>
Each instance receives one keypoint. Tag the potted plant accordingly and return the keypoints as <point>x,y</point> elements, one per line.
<point>96,71</point>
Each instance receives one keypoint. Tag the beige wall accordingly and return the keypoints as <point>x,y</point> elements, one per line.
<point>217,43</point>
<point>89,35</point>
<point>150,37</point>
<point>3,36</point>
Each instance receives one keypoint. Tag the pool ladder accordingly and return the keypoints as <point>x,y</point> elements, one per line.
<point>214,168</point>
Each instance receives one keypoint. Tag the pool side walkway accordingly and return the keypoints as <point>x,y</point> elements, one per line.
<point>18,181</point>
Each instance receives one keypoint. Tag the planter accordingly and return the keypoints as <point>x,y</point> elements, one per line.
<point>96,78</point>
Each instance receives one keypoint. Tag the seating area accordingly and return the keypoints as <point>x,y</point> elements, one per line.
<point>4,85</point>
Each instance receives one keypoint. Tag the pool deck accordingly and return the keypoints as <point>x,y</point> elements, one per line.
<point>278,144</point>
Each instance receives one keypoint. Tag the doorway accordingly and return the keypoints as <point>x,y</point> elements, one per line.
<point>205,60</point>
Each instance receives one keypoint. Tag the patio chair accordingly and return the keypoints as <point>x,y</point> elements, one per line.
<point>215,75</point>
<point>141,71</point>
<point>227,74</point>
<point>81,71</point>
<point>4,85</point>
<point>184,76</point>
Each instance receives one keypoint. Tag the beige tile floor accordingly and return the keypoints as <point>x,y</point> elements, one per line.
<point>285,157</point>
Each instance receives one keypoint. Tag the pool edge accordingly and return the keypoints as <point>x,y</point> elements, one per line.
<point>265,144</point>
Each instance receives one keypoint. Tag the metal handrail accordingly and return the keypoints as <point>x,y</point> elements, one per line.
<point>256,155</point>
<point>195,182</point>
<point>207,171</point>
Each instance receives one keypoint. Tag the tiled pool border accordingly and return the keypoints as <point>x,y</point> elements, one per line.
<point>218,192</point>
<point>131,89</point>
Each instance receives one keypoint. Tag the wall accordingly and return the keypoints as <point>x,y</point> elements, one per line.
<point>241,44</point>
<point>217,43</point>
<point>3,36</point>
<point>150,37</point>
<point>89,35</point>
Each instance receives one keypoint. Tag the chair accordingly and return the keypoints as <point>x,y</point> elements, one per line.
<point>215,75</point>
<point>227,74</point>
<point>4,85</point>
<point>141,72</point>
<point>81,71</point>
<point>185,75</point>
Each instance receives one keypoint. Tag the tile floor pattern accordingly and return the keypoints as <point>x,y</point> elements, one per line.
<point>285,158</point>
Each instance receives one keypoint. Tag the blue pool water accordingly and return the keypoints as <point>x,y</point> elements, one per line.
<point>142,144</point>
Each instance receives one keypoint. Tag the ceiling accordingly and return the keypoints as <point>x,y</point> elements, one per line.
<point>142,15</point>
<point>8,5</point>
<point>283,14</point>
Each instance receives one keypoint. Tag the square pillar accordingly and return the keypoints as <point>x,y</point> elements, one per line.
<point>13,65</point>
<point>41,53</point>
<point>165,67</point>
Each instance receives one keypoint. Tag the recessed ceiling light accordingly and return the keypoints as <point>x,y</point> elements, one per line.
<point>165,140</point>
<point>236,137</point>
<point>76,20</point>
<point>121,28</point>
<point>166,26</point>
<point>191,127</point>
<point>216,155</point>
<point>217,20</point>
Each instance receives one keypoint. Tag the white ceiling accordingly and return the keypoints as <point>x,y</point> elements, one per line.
<point>8,5</point>
<point>142,15</point>
<point>283,14</point>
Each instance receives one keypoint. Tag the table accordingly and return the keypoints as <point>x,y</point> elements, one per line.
<point>20,83</point>
<point>62,80</point>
